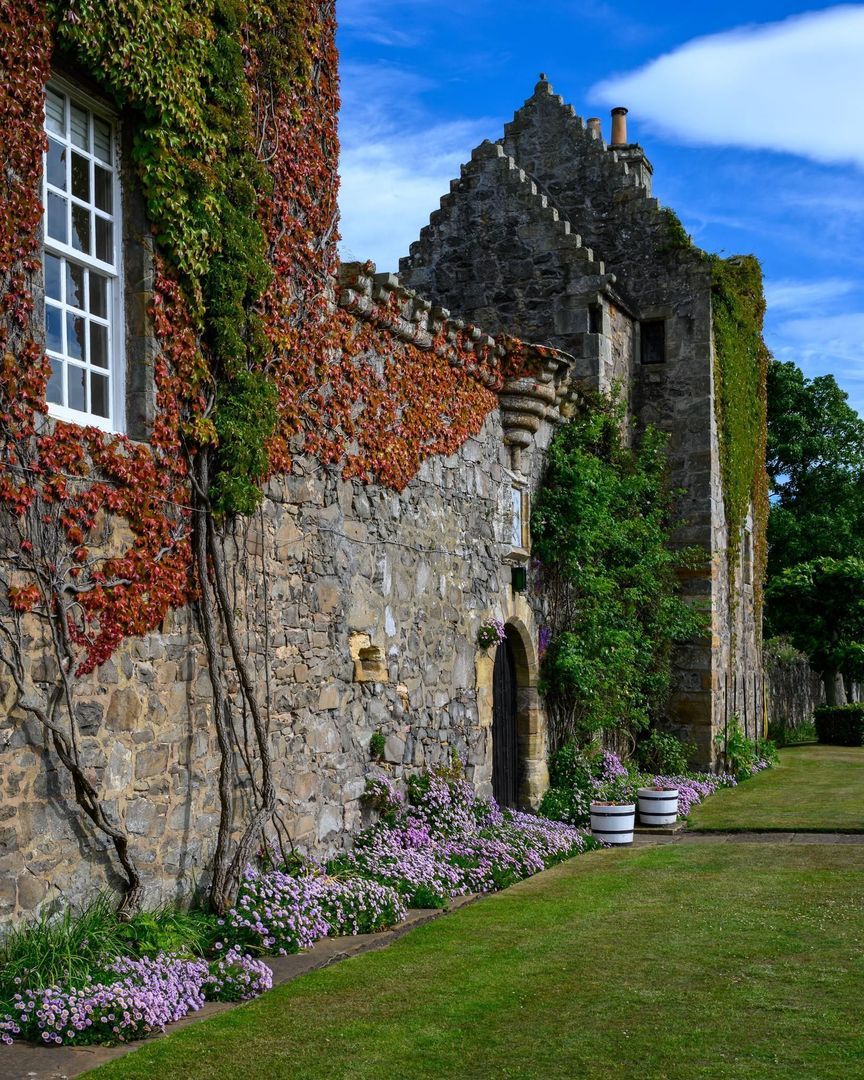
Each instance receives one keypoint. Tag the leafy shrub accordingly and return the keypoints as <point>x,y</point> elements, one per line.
<point>169,930</point>
<point>579,776</point>
<point>782,735</point>
<point>662,752</point>
<point>601,530</point>
<point>741,755</point>
<point>377,745</point>
<point>840,725</point>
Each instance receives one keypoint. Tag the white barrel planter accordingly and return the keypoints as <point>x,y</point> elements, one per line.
<point>613,822</point>
<point>658,806</point>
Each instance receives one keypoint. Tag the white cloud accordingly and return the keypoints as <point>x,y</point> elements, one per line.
<point>396,163</point>
<point>825,345</point>
<point>794,86</point>
<point>788,295</point>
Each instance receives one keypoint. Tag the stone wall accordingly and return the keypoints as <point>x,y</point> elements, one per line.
<point>793,690</point>
<point>553,235</point>
<point>360,608</point>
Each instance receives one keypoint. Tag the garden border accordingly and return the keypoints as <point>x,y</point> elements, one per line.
<point>29,1061</point>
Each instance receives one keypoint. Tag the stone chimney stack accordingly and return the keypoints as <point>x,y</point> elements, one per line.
<point>594,127</point>
<point>619,126</point>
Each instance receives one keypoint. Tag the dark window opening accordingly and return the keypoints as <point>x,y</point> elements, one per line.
<point>653,335</point>
<point>595,319</point>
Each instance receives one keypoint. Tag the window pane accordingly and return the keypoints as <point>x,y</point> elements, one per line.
<point>76,344</point>
<point>104,240</point>
<point>55,112</point>
<point>77,388</point>
<point>78,128</point>
<point>516,499</point>
<point>53,328</point>
<point>53,270</point>
<point>99,394</point>
<point>98,345</point>
<point>58,228</point>
<point>75,285</point>
<point>54,390</point>
<point>102,139</point>
<point>98,295</point>
<point>81,229</point>
<point>103,188</point>
<point>55,164</point>
<point>81,177</point>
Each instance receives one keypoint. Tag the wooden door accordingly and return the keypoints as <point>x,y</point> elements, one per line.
<point>505,746</point>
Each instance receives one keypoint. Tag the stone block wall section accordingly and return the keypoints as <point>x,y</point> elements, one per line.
<point>362,607</point>
<point>540,228</point>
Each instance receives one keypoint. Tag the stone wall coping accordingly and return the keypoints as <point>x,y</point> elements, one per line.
<point>382,299</point>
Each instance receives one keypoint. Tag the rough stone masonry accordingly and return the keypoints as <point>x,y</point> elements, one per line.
<point>365,603</point>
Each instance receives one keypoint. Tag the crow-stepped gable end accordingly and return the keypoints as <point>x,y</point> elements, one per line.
<point>553,234</point>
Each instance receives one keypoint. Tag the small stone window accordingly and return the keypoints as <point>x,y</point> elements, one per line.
<point>595,319</point>
<point>519,518</point>
<point>81,261</point>
<point>653,341</point>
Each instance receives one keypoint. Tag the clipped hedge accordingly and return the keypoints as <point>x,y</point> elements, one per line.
<point>840,725</point>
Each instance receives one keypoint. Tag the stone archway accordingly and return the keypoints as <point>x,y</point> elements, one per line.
<point>518,721</point>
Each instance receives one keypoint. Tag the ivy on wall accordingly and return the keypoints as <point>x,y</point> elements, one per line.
<point>740,377</point>
<point>231,112</point>
<point>601,529</point>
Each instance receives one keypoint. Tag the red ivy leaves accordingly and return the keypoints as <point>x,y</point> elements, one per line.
<point>378,420</point>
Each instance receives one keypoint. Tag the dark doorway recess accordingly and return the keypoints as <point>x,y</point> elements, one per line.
<point>505,744</point>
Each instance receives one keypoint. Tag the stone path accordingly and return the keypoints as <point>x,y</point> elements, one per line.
<point>682,836</point>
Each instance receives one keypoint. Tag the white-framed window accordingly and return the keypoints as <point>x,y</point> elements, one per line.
<point>82,261</point>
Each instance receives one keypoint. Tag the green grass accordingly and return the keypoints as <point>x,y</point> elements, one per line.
<point>680,962</point>
<point>813,789</point>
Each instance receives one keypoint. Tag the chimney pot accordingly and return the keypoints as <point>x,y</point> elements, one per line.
<point>595,127</point>
<point>619,126</point>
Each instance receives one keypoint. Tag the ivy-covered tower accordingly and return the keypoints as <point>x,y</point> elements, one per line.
<point>553,235</point>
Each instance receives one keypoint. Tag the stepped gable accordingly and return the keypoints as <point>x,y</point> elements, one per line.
<point>496,242</point>
<point>604,190</point>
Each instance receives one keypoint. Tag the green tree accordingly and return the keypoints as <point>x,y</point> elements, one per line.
<point>816,468</point>
<point>816,526</point>
<point>820,604</point>
<point>601,529</point>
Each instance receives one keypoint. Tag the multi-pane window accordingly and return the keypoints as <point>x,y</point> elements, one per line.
<point>81,262</point>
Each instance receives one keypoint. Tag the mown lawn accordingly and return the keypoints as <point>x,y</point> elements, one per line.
<point>684,961</point>
<point>813,789</point>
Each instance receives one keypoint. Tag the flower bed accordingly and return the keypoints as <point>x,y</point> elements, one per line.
<point>439,842</point>
<point>136,998</point>
<point>582,775</point>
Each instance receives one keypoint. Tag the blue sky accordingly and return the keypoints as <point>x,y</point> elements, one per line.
<point>752,115</point>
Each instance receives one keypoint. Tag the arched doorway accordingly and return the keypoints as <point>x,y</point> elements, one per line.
<point>505,736</point>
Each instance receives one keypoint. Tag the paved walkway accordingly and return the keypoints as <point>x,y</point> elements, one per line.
<point>684,837</point>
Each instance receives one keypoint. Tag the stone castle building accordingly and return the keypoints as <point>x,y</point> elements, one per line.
<point>365,602</point>
<point>553,235</point>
